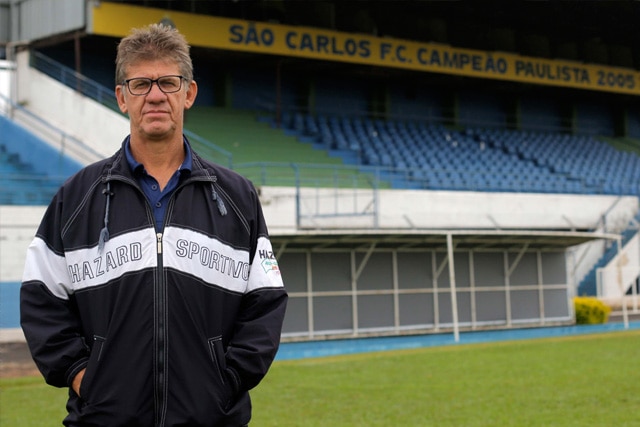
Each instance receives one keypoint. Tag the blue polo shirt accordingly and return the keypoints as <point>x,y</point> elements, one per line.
<point>158,199</point>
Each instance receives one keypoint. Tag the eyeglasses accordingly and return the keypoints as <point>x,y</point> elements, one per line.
<point>141,85</point>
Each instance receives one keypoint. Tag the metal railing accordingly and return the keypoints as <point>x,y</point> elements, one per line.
<point>323,191</point>
<point>454,178</point>
<point>74,80</point>
<point>314,175</point>
<point>210,146</point>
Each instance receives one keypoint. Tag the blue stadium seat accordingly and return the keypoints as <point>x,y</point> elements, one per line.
<point>494,159</point>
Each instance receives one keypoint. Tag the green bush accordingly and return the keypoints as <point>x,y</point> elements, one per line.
<point>590,311</point>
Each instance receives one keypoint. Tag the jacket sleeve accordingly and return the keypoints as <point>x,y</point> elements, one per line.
<point>259,324</point>
<point>47,315</point>
<point>256,338</point>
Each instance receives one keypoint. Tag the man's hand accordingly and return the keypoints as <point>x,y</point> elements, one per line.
<point>77,381</point>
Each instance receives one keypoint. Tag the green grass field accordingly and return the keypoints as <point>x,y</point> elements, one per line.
<point>589,380</point>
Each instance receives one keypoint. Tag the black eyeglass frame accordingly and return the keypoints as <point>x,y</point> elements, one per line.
<point>151,82</point>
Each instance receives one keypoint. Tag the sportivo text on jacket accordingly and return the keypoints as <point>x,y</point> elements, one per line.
<point>98,261</point>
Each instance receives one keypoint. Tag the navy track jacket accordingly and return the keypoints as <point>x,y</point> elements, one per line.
<point>173,326</point>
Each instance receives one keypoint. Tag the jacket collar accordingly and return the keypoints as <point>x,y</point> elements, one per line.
<point>136,166</point>
<point>120,165</point>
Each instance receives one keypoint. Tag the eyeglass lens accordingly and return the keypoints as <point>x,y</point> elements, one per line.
<point>142,85</point>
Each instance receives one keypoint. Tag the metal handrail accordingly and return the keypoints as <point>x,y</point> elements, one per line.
<point>74,80</point>
<point>211,146</point>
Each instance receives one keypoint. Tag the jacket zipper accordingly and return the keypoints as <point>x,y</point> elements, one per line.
<point>159,319</point>
<point>160,341</point>
<point>160,313</point>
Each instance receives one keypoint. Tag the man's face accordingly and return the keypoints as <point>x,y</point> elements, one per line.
<point>156,115</point>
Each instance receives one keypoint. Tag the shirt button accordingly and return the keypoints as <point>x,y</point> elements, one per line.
<point>158,204</point>
<point>154,187</point>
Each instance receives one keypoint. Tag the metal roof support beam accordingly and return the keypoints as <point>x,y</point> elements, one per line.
<point>452,286</point>
<point>355,274</point>
<point>281,249</point>
<point>312,327</point>
<point>364,261</point>
<point>509,269</point>
<point>517,260</point>
<point>507,287</point>
<point>625,314</point>
<point>540,281</point>
<point>443,263</point>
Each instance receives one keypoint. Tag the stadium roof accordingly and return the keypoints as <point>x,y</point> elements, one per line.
<point>592,31</point>
<point>436,239</point>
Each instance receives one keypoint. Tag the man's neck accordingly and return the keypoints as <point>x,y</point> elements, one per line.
<point>160,159</point>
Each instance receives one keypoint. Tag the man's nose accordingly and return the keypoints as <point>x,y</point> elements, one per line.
<point>155,90</point>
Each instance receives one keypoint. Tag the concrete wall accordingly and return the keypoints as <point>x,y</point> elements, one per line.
<point>425,209</point>
<point>18,225</point>
<point>419,209</point>
<point>95,125</point>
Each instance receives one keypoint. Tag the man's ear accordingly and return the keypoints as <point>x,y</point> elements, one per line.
<point>120,98</point>
<point>192,92</point>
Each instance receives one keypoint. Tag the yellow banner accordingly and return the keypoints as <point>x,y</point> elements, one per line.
<point>116,20</point>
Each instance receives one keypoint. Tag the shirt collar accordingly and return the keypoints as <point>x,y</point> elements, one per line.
<point>137,167</point>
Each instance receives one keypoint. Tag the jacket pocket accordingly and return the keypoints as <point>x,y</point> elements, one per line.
<point>217,357</point>
<point>220,365</point>
<point>92,366</point>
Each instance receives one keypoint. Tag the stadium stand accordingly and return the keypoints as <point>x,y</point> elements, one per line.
<point>248,139</point>
<point>244,139</point>
<point>31,170</point>
<point>407,153</point>
<point>407,131</point>
<point>477,159</point>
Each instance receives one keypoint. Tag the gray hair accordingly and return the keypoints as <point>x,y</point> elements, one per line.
<point>153,42</point>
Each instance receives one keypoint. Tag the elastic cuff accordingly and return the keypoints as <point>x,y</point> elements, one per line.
<point>75,368</point>
<point>233,379</point>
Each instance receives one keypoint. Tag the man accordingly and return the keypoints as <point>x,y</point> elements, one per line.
<point>151,289</point>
